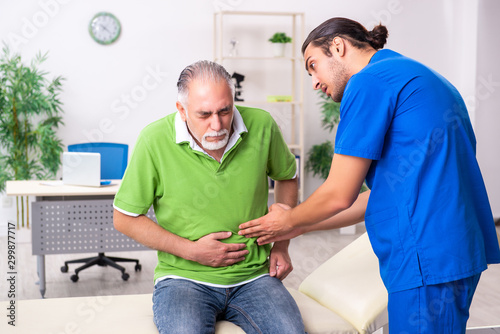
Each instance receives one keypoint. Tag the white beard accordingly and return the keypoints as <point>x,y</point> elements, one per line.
<point>215,145</point>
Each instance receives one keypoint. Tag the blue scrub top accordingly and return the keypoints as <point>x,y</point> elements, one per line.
<point>428,216</point>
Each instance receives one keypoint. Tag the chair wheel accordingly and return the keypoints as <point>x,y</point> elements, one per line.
<point>74,278</point>
<point>125,276</point>
<point>138,267</point>
<point>64,269</point>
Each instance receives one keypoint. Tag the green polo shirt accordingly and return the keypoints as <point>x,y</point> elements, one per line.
<point>194,195</point>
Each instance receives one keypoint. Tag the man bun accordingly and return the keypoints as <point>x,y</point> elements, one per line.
<point>378,36</point>
<point>351,30</point>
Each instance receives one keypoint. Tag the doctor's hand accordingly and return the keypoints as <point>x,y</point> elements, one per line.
<point>271,227</point>
<point>209,251</point>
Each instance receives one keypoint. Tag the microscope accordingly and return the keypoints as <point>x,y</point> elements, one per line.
<point>238,78</point>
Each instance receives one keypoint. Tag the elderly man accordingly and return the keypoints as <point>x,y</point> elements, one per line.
<point>205,169</point>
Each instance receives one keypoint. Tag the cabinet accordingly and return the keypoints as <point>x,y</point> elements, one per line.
<point>273,83</point>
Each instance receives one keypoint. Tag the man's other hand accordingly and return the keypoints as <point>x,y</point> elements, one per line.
<point>280,264</point>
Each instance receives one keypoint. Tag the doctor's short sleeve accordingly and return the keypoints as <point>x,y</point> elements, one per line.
<point>366,113</point>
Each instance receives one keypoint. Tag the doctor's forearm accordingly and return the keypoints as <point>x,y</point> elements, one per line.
<point>339,191</point>
<point>350,216</point>
<point>321,205</point>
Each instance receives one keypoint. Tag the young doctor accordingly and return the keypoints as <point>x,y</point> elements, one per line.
<point>406,131</point>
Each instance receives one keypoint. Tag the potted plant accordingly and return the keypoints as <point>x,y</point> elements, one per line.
<point>279,40</point>
<point>30,113</point>
<point>320,156</point>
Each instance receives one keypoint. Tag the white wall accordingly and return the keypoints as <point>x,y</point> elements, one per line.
<point>112,92</point>
<point>487,99</point>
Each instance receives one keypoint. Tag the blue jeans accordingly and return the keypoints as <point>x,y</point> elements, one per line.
<point>261,306</point>
<point>432,309</point>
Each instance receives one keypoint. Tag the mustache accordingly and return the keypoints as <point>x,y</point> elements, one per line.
<point>216,133</point>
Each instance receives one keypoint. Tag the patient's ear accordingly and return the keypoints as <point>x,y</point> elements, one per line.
<point>182,111</point>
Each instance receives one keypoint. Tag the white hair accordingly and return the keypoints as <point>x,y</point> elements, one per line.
<point>205,70</point>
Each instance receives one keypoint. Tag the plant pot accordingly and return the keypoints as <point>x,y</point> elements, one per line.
<point>279,49</point>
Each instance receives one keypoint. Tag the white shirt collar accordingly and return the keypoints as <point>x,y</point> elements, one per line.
<point>182,134</point>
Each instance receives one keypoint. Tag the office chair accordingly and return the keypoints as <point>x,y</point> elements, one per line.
<point>114,159</point>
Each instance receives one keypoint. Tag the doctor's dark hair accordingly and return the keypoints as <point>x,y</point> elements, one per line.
<point>323,35</point>
<point>204,70</point>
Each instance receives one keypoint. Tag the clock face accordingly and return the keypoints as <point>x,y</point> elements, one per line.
<point>104,28</point>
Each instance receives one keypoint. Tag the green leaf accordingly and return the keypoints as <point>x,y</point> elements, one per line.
<point>320,156</point>
<point>320,159</point>
<point>280,37</point>
<point>330,111</point>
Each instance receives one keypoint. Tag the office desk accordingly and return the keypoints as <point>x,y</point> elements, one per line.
<point>71,219</point>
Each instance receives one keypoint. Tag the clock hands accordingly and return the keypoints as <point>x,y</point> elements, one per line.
<point>104,27</point>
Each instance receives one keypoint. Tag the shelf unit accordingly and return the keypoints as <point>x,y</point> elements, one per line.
<point>256,28</point>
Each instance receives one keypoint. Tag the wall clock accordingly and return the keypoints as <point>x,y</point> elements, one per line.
<point>104,28</point>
